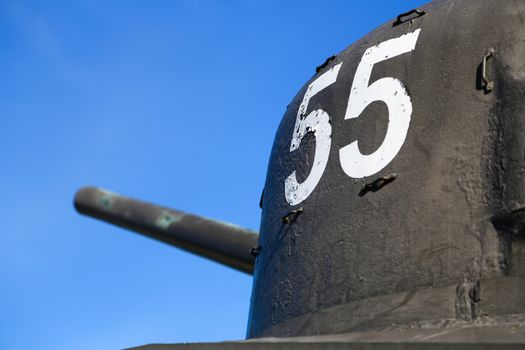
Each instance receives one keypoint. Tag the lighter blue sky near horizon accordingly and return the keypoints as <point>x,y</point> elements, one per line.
<point>173,102</point>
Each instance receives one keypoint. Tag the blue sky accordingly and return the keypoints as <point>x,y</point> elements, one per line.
<point>174,102</point>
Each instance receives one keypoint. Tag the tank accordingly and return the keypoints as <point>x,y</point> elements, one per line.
<point>394,204</point>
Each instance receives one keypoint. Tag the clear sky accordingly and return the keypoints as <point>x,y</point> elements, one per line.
<point>174,102</point>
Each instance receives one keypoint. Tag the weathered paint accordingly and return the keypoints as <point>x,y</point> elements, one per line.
<point>390,91</point>
<point>450,219</point>
<point>227,244</point>
<point>318,123</point>
<point>419,246</point>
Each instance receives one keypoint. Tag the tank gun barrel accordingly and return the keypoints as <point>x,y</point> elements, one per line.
<point>227,244</point>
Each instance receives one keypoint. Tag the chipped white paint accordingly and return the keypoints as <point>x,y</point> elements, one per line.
<point>317,122</point>
<point>389,90</point>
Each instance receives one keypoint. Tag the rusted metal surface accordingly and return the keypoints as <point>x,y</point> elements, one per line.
<point>222,242</point>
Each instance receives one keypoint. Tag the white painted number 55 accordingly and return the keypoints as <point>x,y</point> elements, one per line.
<point>391,91</point>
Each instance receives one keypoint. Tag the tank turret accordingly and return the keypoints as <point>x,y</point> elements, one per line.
<point>394,204</point>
